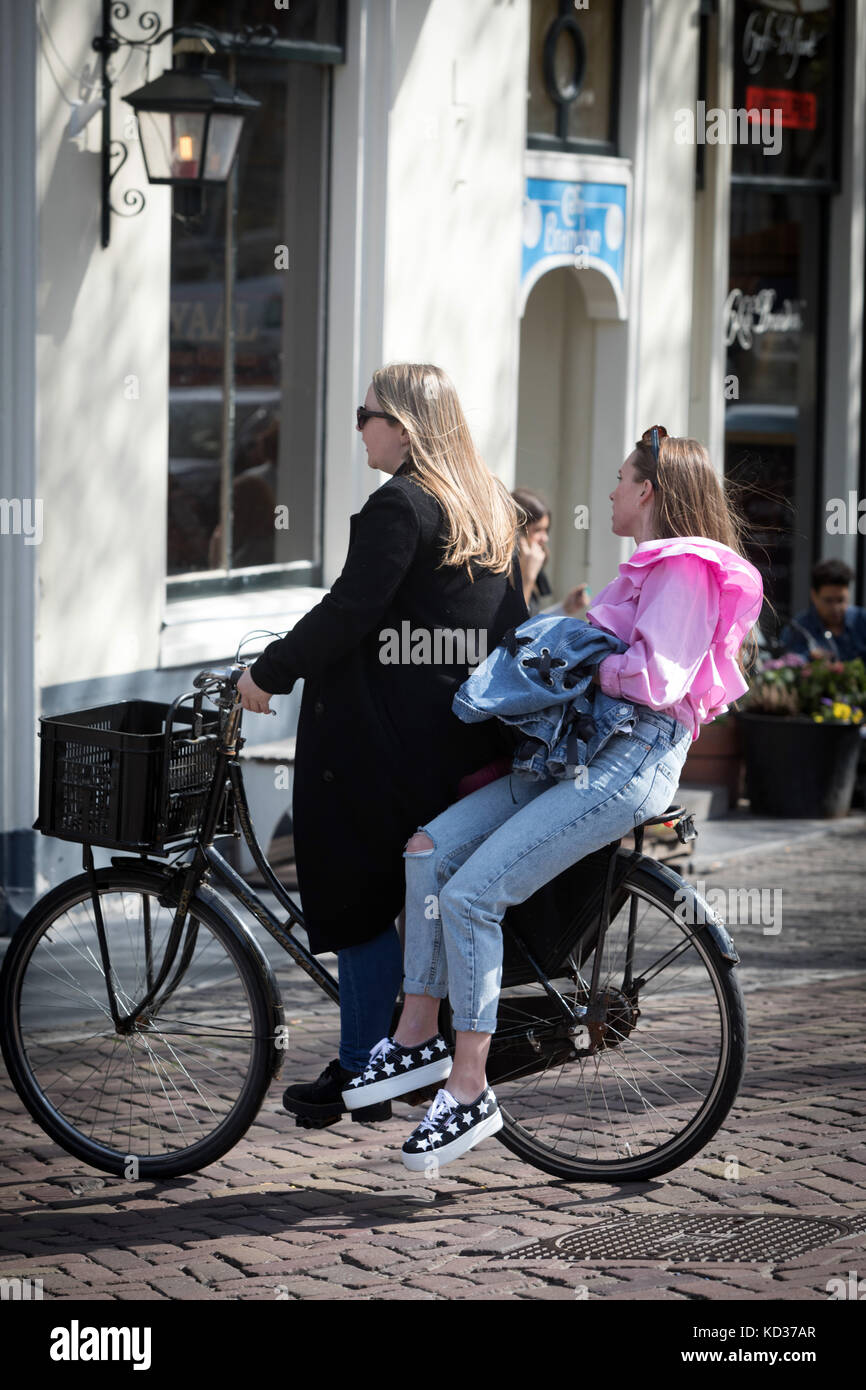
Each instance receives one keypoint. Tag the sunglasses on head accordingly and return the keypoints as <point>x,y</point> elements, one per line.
<point>653,438</point>
<point>362,415</point>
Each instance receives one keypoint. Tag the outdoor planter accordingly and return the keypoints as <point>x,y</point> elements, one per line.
<point>797,767</point>
<point>716,757</point>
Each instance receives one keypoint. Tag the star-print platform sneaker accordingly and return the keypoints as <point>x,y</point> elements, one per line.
<point>450,1129</point>
<point>393,1070</point>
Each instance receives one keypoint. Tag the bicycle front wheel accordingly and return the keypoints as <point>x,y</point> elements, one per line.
<point>661,1070</point>
<point>183,1086</point>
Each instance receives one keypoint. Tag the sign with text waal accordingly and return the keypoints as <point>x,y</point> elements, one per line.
<point>578,224</point>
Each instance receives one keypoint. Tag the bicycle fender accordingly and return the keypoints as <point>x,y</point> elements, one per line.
<point>219,905</point>
<point>693,907</point>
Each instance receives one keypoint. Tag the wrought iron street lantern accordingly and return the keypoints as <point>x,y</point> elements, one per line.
<point>190,124</point>
<point>189,119</point>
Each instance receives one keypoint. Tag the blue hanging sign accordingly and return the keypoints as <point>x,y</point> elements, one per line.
<point>574,224</point>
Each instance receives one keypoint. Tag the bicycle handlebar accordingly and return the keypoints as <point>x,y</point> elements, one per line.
<point>219,684</point>
<point>223,676</point>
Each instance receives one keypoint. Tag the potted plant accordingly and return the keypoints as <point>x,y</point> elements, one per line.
<point>801,735</point>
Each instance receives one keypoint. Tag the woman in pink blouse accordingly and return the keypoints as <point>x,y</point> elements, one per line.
<point>685,603</point>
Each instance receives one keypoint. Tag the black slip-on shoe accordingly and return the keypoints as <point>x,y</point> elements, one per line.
<point>393,1070</point>
<point>317,1104</point>
<point>450,1129</point>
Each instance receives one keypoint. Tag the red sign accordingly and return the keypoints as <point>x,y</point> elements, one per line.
<point>799,109</point>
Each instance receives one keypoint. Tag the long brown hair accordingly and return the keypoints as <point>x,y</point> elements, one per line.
<point>690,500</point>
<point>532,504</point>
<point>482,519</point>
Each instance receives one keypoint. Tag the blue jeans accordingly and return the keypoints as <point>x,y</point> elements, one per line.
<point>370,977</point>
<point>499,845</point>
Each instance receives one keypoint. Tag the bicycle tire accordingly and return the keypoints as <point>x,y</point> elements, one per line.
<point>154,1071</point>
<point>549,1154</point>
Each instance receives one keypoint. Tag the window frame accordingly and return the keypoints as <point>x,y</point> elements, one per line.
<point>832,184</point>
<point>822,190</point>
<point>194,584</point>
<point>561,141</point>
<point>812,481</point>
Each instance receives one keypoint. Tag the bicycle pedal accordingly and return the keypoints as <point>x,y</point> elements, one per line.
<point>371,1113</point>
<point>306,1121</point>
<point>422,1097</point>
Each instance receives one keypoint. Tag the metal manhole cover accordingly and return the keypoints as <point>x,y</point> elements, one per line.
<point>856,1224</point>
<point>679,1239</point>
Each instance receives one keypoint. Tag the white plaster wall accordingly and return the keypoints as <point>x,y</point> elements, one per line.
<point>102,320</point>
<point>18,558</point>
<point>663,226</point>
<point>557,357</point>
<point>356,264</point>
<point>711,261</point>
<point>624,375</point>
<point>454,204</point>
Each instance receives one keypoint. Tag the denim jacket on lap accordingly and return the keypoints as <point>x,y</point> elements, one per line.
<point>539,681</point>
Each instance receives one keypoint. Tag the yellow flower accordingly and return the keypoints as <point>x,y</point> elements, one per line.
<point>841,711</point>
<point>857,716</point>
<point>818,718</point>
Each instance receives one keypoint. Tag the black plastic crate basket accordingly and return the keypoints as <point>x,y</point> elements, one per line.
<point>109,776</point>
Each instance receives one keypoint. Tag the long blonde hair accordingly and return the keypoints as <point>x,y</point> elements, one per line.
<point>482,520</point>
<point>689,500</point>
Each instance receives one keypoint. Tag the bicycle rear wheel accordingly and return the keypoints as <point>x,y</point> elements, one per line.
<point>178,1091</point>
<point>662,1072</point>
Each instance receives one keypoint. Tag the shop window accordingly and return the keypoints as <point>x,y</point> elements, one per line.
<point>573,72</point>
<point>788,58</point>
<point>245,428</point>
<point>772,328</point>
<point>319,22</point>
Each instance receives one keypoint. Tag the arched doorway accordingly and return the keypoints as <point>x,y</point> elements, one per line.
<point>572,388</point>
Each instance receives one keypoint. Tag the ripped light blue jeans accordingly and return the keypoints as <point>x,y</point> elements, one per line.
<point>499,845</point>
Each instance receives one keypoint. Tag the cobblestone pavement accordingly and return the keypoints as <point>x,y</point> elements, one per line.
<point>294,1214</point>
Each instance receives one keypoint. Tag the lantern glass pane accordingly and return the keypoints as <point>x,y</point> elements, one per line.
<point>187,137</point>
<point>222,145</point>
<point>155,130</point>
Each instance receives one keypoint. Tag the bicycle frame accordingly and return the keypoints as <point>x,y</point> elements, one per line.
<point>207,859</point>
<point>594,917</point>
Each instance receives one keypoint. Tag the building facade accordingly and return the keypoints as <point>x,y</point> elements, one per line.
<point>563,204</point>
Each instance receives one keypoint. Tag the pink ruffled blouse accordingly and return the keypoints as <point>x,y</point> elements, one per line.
<point>683,606</point>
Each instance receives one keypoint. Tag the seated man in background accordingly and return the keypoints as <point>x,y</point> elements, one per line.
<point>831,626</point>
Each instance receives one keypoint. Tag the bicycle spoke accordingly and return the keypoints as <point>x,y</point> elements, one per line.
<point>173,1080</point>
<point>654,1068</point>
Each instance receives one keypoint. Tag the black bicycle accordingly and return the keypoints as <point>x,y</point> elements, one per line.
<point>142,1023</point>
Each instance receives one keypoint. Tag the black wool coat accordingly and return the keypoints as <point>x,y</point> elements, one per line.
<point>379,751</point>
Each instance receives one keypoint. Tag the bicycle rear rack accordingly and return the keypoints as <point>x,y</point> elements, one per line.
<point>683,821</point>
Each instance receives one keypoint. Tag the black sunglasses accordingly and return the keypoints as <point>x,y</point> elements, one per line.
<point>362,415</point>
<point>653,438</point>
